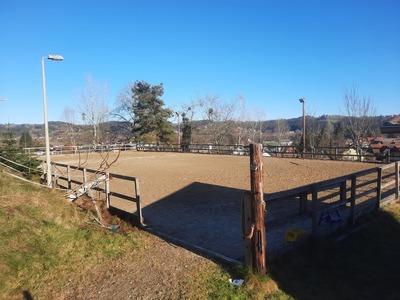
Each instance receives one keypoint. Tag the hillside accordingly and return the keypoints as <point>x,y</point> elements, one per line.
<point>61,133</point>
<point>52,249</point>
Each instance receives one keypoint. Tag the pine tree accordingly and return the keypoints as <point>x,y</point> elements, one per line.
<point>186,133</point>
<point>26,140</point>
<point>15,158</point>
<point>151,117</point>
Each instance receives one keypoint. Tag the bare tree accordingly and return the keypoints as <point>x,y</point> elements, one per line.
<point>241,119</point>
<point>93,106</point>
<point>220,118</point>
<point>69,117</point>
<point>259,121</point>
<point>359,114</point>
<point>281,130</point>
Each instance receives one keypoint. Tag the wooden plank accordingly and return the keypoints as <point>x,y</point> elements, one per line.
<point>387,184</point>
<point>334,205</point>
<point>122,196</point>
<point>323,185</point>
<point>365,193</point>
<point>96,171</point>
<point>118,176</point>
<point>384,167</point>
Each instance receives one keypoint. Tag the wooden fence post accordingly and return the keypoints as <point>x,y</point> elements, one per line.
<point>343,191</point>
<point>303,203</point>
<point>69,177</point>
<point>397,180</point>
<point>352,219</point>
<point>379,189</point>
<point>138,202</point>
<point>52,174</point>
<point>84,176</point>
<point>258,206</point>
<point>107,189</point>
<point>314,229</point>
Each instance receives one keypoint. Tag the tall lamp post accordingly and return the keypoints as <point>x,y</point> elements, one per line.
<point>181,114</point>
<point>303,101</point>
<point>46,125</point>
<point>179,127</point>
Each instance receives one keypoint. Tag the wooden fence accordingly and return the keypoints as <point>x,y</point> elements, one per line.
<point>115,188</point>
<point>320,207</point>
<point>323,206</point>
<point>323,153</point>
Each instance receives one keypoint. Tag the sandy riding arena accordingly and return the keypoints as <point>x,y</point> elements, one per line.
<point>196,198</point>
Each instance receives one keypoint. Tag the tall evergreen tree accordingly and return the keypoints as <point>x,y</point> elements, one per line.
<point>186,133</point>
<point>150,115</point>
<point>15,158</point>
<point>26,140</point>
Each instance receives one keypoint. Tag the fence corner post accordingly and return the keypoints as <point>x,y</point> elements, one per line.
<point>258,207</point>
<point>314,192</point>
<point>379,189</point>
<point>352,218</point>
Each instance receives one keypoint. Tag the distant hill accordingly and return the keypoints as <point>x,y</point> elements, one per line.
<point>58,129</point>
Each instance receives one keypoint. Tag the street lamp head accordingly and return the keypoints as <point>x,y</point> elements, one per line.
<point>55,57</point>
<point>302,100</point>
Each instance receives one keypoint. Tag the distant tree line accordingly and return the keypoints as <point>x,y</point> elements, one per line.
<point>12,155</point>
<point>140,115</point>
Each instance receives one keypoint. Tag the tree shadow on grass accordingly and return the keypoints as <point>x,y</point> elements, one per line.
<point>365,265</point>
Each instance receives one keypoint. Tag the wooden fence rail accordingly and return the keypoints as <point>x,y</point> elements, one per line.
<point>341,200</point>
<point>72,177</point>
<point>323,153</point>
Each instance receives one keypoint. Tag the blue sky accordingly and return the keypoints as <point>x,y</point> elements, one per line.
<point>271,52</point>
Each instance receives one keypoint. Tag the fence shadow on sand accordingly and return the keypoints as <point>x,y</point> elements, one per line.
<point>206,218</point>
<point>201,217</point>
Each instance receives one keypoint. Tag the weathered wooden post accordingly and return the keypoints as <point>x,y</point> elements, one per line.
<point>258,241</point>
<point>379,189</point>
<point>352,218</point>
<point>397,189</point>
<point>107,189</point>
<point>69,176</point>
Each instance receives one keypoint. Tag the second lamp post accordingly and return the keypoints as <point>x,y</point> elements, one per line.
<point>46,125</point>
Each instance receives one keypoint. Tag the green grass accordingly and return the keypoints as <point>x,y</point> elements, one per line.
<point>44,238</point>
<point>45,241</point>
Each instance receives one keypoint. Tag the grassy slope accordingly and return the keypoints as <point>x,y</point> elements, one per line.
<point>45,242</point>
<point>47,245</point>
